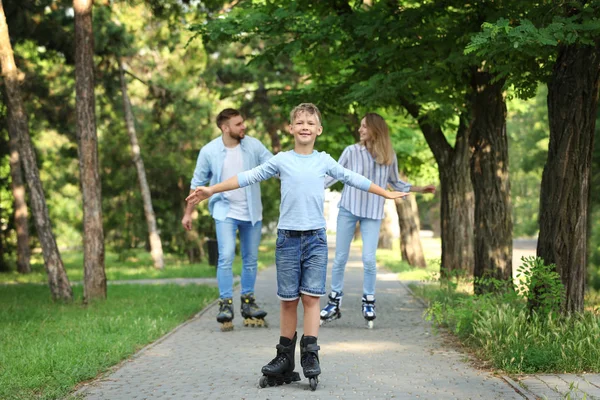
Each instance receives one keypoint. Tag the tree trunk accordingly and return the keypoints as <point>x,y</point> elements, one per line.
<point>456,192</point>
<point>17,122</point>
<point>155,243</point>
<point>564,196</point>
<point>20,204</point>
<point>489,175</point>
<point>408,221</point>
<point>94,286</point>
<point>386,239</point>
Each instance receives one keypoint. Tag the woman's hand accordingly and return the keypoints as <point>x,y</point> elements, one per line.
<point>396,195</point>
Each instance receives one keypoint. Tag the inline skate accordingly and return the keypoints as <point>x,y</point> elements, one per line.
<point>253,315</point>
<point>309,359</point>
<point>280,370</point>
<point>225,315</point>
<point>368,309</point>
<point>332,310</point>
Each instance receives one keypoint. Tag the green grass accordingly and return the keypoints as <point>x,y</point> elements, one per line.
<point>136,264</point>
<point>47,348</point>
<point>392,260</point>
<point>501,331</point>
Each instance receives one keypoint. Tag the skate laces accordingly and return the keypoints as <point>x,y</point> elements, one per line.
<point>308,359</point>
<point>225,305</point>
<point>280,358</point>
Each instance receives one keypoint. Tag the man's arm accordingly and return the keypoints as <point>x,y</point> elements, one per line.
<point>186,221</point>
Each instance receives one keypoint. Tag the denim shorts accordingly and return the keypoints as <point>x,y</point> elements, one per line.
<point>301,260</point>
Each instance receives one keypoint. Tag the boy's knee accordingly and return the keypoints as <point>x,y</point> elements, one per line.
<point>289,304</point>
<point>310,300</point>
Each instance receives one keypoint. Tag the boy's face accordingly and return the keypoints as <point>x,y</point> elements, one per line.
<point>305,128</point>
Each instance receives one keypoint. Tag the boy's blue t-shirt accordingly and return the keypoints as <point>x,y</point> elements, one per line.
<point>302,185</point>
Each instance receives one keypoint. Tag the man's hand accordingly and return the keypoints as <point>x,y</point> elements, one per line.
<point>396,195</point>
<point>187,222</point>
<point>201,193</point>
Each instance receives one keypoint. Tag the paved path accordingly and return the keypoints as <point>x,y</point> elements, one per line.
<point>400,358</point>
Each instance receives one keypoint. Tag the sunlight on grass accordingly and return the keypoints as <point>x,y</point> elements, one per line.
<point>392,260</point>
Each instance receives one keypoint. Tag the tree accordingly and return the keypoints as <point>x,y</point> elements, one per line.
<point>155,243</point>
<point>93,240</point>
<point>410,241</point>
<point>20,204</point>
<point>489,174</point>
<point>559,45</point>
<point>17,121</point>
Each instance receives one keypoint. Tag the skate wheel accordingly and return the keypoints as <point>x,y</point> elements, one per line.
<point>369,324</point>
<point>321,322</point>
<point>263,381</point>
<point>226,326</point>
<point>313,383</point>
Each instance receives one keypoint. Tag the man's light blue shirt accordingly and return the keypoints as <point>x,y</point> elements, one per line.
<point>209,167</point>
<point>302,186</point>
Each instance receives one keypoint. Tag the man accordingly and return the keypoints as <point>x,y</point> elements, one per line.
<point>222,158</point>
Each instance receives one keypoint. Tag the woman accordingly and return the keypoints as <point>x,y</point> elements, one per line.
<point>374,158</point>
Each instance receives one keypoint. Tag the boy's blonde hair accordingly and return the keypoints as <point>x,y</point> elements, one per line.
<point>308,108</point>
<point>379,143</point>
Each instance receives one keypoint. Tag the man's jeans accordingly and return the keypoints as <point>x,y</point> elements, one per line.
<point>369,230</point>
<point>249,241</point>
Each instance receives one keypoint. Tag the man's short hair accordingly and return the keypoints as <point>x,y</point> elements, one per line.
<point>308,108</point>
<point>226,115</point>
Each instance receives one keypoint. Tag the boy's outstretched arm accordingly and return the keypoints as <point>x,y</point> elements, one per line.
<point>378,190</point>
<point>204,192</point>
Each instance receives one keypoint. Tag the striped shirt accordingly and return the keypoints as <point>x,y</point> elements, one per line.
<point>363,204</point>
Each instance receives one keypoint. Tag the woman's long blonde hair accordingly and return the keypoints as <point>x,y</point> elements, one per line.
<point>379,143</point>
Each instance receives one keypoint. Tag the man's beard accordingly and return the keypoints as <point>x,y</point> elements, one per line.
<point>237,136</point>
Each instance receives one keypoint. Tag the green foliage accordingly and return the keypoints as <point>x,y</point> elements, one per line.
<point>541,285</point>
<point>528,132</point>
<point>501,330</point>
<point>523,49</point>
<point>47,348</point>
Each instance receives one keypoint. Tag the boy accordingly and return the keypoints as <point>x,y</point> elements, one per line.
<point>301,254</point>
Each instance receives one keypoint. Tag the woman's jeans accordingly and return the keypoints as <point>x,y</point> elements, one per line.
<point>369,230</point>
<point>249,241</point>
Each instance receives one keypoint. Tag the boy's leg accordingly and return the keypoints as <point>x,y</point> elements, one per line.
<point>312,286</point>
<point>311,315</point>
<point>288,315</point>
<point>226,240</point>
<point>287,261</point>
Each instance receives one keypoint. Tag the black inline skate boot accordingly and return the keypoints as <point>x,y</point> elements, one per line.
<point>332,310</point>
<point>309,359</point>
<point>225,315</point>
<point>368,309</point>
<point>280,370</point>
<point>251,312</point>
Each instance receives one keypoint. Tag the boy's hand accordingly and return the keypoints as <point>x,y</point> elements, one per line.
<point>201,193</point>
<point>396,195</point>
